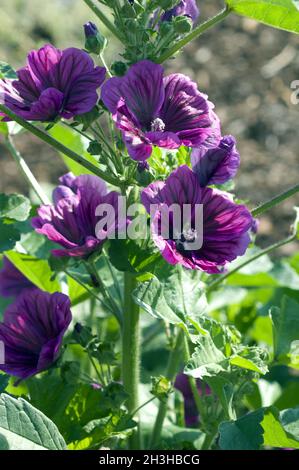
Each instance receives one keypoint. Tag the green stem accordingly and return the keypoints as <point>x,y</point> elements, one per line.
<point>131,352</point>
<point>104,19</point>
<point>194,34</point>
<point>113,306</point>
<point>102,57</point>
<point>275,201</point>
<point>26,171</point>
<point>261,253</point>
<point>192,382</point>
<point>142,406</point>
<point>59,146</point>
<point>172,369</point>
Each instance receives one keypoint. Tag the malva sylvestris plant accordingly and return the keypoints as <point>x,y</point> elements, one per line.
<point>85,301</point>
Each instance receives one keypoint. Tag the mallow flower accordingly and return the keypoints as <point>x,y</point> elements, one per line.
<point>151,110</point>
<point>183,385</point>
<point>207,243</point>
<point>32,332</point>
<point>54,83</point>
<point>216,165</point>
<point>72,221</point>
<point>12,281</point>
<point>187,8</point>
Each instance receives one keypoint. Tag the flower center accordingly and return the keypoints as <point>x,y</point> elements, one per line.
<point>187,237</point>
<point>157,125</point>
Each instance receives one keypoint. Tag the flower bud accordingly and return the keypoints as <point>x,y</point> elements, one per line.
<point>94,42</point>
<point>119,68</point>
<point>183,24</point>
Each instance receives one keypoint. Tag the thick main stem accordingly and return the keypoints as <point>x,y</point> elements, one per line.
<point>172,369</point>
<point>194,34</point>
<point>131,352</point>
<point>59,146</point>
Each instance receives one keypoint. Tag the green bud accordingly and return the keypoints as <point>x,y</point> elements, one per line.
<point>118,68</point>
<point>161,388</point>
<point>88,118</point>
<point>182,24</point>
<point>94,43</point>
<point>95,148</point>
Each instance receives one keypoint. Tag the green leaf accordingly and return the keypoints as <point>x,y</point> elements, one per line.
<point>207,360</point>
<point>4,380</point>
<point>23,427</point>
<point>36,270</point>
<point>3,128</point>
<point>75,142</point>
<point>173,298</point>
<point>14,206</point>
<point>128,255</point>
<point>251,358</point>
<point>285,329</point>
<point>224,390</point>
<point>275,435</point>
<point>6,71</point>
<point>9,235</point>
<point>290,421</point>
<point>245,433</point>
<point>282,14</point>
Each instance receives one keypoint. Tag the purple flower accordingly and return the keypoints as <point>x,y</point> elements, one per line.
<point>183,385</point>
<point>184,8</point>
<point>151,109</point>
<point>216,165</point>
<point>53,84</point>
<point>32,332</point>
<point>12,281</point>
<point>224,227</point>
<point>90,29</point>
<point>71,221</point>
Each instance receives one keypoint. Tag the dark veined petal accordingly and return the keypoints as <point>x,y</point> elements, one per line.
<point>42,65</point>
<point>143,91</point>
<point>216,165</point>
<point>32,332</point>
<point>12,281</point>
<point>184,106</point>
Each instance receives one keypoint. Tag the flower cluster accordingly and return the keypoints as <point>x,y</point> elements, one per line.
<point>149,109</point>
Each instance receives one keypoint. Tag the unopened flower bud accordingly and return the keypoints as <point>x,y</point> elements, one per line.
<point>183,24</point>
<point>95,43</point>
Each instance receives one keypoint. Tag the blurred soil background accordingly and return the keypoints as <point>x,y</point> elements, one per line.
<point>245,68</point>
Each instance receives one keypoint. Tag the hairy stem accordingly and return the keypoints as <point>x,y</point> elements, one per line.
<point>59,146</point>
<point>275,201</point>
<point>22,165</point>
<point>194,34</point>
<point>131,352</point>
<point>99,13</point>
<point>172,369</point>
